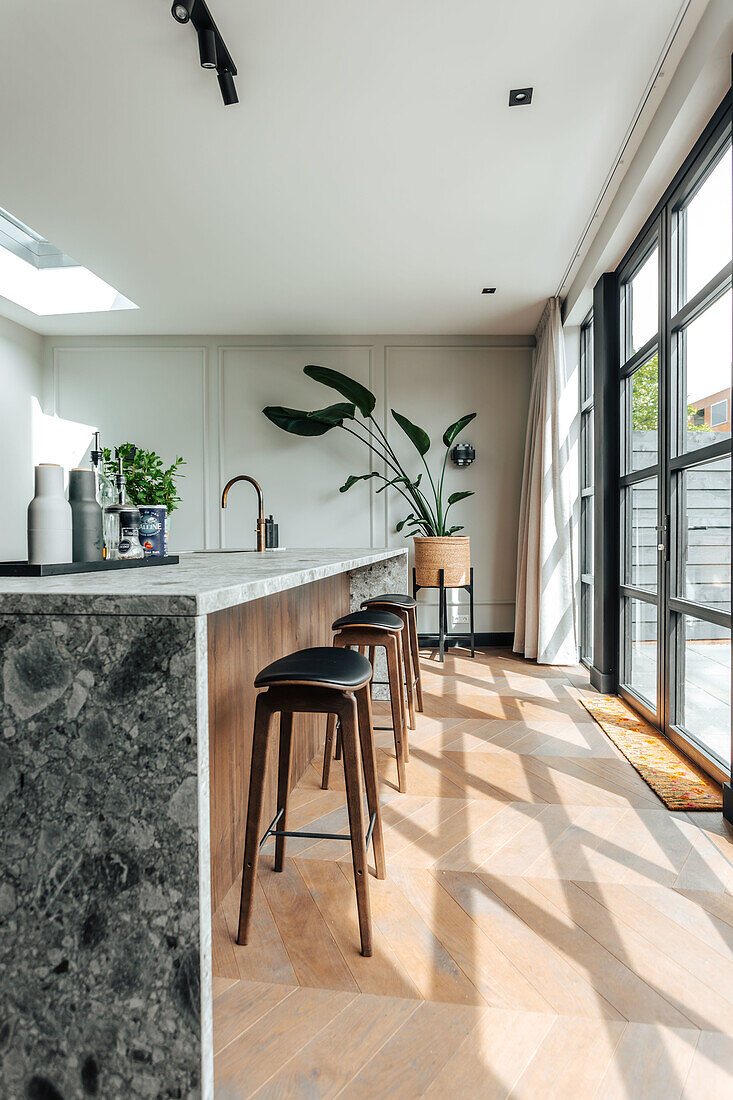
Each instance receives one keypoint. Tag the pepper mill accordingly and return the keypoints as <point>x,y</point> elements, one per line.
<point>49,518</point>
<point>86,516</point>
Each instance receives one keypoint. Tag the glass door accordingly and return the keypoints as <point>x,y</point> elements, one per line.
<point>699,461</point>
<point>676,415</point>
<point>641,468</point>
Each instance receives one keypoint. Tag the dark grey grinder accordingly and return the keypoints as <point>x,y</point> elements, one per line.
<point>86,517</point>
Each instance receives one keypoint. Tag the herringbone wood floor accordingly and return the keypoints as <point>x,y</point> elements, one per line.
<point>547,928</point>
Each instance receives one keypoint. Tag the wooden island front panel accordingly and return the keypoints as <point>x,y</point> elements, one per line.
<point>241,641</point>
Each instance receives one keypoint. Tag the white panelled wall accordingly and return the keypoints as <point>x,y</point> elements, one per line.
<point>300,477</point>
<point>434,386</point>
<point>202,398</point>
<point>21,390</point>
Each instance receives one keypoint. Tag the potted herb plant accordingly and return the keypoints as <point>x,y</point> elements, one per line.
<point>437,544</point>
<point>147,480</point>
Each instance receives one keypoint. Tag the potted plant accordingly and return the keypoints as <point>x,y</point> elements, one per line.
<point>147,480</point>
<point>437,544</point>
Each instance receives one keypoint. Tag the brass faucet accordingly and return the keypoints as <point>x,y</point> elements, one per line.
<point>260,505</point>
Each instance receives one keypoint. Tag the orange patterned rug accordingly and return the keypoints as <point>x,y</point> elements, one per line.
<point>679,784</point>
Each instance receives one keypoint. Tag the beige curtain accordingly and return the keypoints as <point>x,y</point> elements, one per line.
<point>545,601</point>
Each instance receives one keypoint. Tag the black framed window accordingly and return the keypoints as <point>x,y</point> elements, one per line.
<point>587,490</point>
<point>664,321</point>
<point>640,494</point>
<point>700,307</point>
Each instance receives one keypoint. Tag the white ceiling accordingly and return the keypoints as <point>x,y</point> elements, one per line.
<point>371,180</point>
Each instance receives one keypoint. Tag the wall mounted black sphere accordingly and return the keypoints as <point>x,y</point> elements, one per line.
<point>462,454</point>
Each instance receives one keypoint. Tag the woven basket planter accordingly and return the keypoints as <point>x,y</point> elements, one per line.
<point>452,554</point>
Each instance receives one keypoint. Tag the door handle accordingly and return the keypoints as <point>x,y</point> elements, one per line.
<point>663,533</point>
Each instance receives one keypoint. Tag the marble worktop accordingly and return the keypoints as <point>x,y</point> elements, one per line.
<point>200,584</point>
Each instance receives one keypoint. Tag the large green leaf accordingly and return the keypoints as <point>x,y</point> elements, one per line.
<point>363,398</point>
<point>401,480</point>
<point>410,521</point>
<point>416,435</point>
<point>455,497</point>
<point>456,428</point>
<point>353,478</point>
<point>298,422</point>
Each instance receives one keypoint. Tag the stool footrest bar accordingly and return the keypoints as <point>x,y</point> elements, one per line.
<point>370,830</point>
<point>271,826</point>
<point>272,831</point>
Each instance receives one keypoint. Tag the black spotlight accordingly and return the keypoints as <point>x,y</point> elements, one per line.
<point>462,454</point>
<point>183,9</point>
<point>228,91</point>
<point>207,48</point>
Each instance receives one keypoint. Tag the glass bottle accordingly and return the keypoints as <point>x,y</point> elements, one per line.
<point>113,513</point>
<point>105,493</point>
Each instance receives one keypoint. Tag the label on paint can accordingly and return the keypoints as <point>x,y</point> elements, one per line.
<point>152,530</point>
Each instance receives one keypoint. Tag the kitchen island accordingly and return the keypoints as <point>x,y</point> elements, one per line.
<point>126,714</point>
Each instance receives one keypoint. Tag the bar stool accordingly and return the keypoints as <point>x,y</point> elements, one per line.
<point>375,629</point>
<point>406,607</point>
<point>323,680</point>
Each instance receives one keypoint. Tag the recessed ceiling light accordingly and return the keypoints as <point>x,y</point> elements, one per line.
<point>489,290</point>
<point>520,97</point>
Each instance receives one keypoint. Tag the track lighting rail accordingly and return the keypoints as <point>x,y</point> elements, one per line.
<point>213,53</point>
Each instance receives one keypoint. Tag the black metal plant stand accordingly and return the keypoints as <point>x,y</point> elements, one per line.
<point>443,608</point>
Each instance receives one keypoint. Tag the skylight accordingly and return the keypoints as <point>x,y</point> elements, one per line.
<point>41,278</point>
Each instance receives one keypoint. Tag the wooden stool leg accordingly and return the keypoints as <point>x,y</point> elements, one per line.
<point>263,718</point>
<point>352,776</point>
<point>372,658</point>
<point>328,751</point>
<point>340,639</point>
<point>371,778</point>
<point>401,668</point>
<point>283,782</point>
<point>406,643</point>
<point>393,675</point>
<point>416,656</point>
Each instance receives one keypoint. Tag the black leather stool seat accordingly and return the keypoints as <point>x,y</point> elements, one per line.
<point>397,599</point>
<point>326,665</point>
<point>384,620</point>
